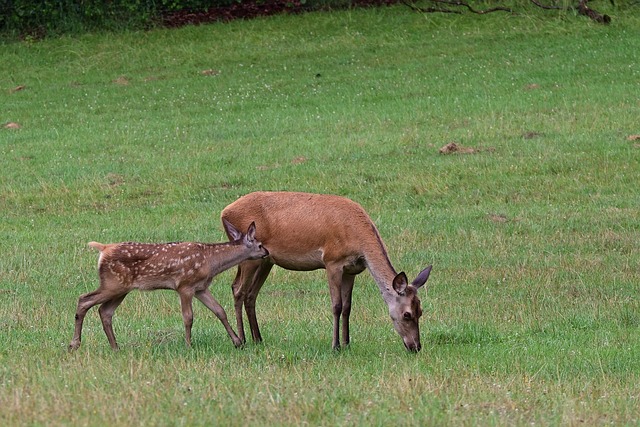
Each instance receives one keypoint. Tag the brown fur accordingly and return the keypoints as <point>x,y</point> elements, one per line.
<point>304,231</point>
<point>185,267</point>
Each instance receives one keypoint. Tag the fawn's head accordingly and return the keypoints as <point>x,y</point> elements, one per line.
<point>248,239</point>
<point>405,309</point>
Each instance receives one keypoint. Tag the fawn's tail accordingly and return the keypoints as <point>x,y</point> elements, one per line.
<point>98,246</point>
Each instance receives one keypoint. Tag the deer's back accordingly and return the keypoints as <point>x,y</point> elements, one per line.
<point>301,230</point>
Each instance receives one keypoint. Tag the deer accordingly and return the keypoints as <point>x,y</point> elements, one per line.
<point>304,232</point>
<point>186,267</point>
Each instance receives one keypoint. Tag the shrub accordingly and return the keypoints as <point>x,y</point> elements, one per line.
<point>49,17</point>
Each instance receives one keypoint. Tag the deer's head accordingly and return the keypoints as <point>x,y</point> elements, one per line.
<point>405,309</point>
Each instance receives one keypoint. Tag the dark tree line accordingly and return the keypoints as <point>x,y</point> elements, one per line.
<point>39,18</point>
<point>455,6</point>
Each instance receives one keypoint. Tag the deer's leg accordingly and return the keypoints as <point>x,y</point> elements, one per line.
<point>85,302</point>
<point>209,301</point>
<point>239,289</point>
<point>257,281</point>
<point>186,296</point>
<point>334,274</point>
<point>346,291</point>
<point>106,311</point>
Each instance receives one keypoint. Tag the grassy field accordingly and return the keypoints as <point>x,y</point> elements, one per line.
<point>531,313</point>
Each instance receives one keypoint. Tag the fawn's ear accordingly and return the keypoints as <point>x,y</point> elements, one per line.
<point>232,232</point>
<point>251,231</point>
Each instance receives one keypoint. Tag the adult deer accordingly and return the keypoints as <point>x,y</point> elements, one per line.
<point>305,232</point>
<point>185,267</point>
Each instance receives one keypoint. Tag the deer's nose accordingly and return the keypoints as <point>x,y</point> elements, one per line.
<point>413,347</point>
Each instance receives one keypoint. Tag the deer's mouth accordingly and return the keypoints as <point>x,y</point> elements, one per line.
<point>413,347</point>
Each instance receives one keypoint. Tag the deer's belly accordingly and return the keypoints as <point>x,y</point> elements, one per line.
<point>298,261</point>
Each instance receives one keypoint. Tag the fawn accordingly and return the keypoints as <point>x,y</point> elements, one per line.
<point>186,267</point>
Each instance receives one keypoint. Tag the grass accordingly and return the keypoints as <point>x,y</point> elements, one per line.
<point>531,314</point>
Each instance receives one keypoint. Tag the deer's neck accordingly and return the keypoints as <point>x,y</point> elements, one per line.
<point>379,264</point>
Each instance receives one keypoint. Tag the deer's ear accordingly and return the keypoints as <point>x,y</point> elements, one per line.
<point>232,232</point>
<point>400,283</point>
<point>422,278</point>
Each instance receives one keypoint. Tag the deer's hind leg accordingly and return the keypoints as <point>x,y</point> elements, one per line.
<point>259,277</point>
<point>249,279</point>
<point>106,311</point>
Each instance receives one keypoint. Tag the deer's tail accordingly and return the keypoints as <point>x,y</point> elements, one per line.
<point>98,246</point>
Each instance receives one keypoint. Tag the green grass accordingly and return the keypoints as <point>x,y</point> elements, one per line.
<point>531,313</point>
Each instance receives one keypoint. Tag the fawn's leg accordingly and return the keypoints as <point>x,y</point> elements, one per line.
<point>106,311</point>
<point>186,296</point>
<point>210,302</point>
<point>85,302</point>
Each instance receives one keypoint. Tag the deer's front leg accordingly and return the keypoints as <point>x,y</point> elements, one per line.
<point>334,274</point>
<point>346,291</point>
